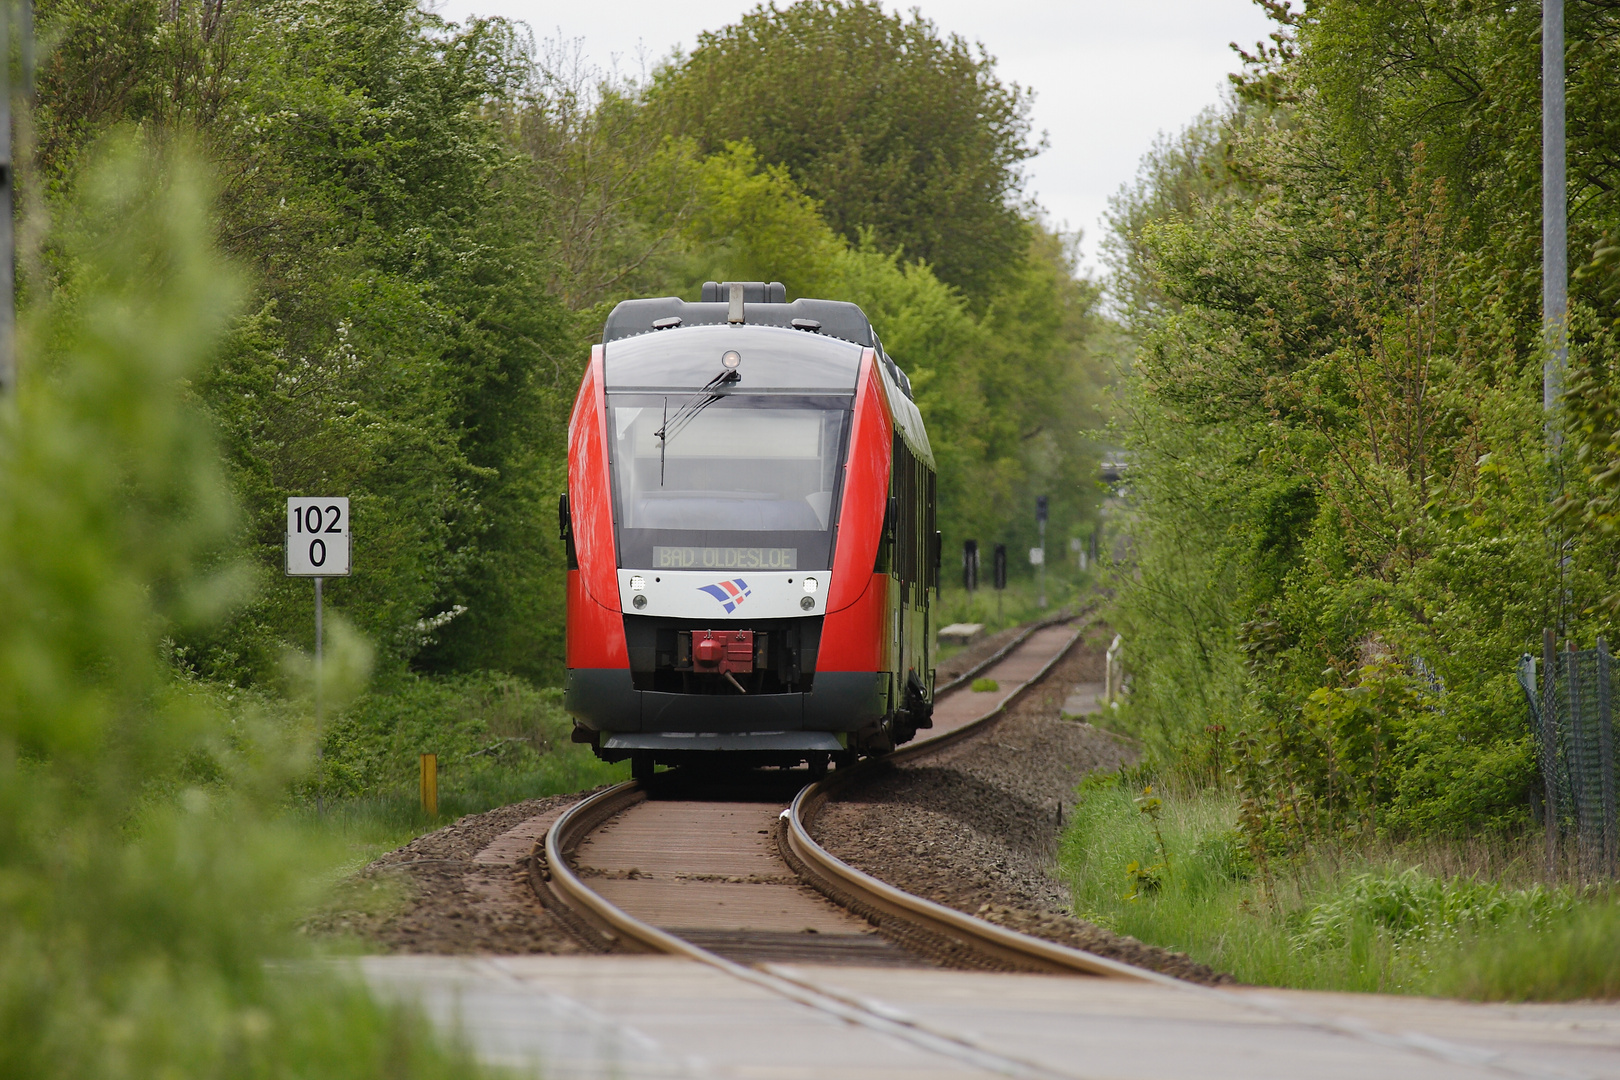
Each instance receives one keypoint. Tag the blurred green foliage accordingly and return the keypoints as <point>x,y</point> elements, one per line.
<point>145,878</point>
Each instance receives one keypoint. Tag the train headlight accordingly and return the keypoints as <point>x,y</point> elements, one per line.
<point>811,585</point>
<point>808,603</point>
<point>639,601</point>
<point>637,583</point>
<point>731,359</point>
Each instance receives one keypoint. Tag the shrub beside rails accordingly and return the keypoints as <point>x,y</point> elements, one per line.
<point>750,527</point>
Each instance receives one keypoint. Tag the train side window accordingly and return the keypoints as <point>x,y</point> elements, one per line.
<point>905,489</point>
<point>885,550</point>
<point>565,529</point>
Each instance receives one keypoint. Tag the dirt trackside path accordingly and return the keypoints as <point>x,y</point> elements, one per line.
<point>464,889</point>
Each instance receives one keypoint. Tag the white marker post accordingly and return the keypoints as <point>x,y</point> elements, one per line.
<point>318,547</point>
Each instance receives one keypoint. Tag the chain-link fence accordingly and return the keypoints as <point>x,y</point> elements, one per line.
<point>1570,708</point>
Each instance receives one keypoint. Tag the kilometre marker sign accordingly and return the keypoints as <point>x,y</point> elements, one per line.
<point>317,537</point>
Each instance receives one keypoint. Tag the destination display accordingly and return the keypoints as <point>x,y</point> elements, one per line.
<point>725,558</point>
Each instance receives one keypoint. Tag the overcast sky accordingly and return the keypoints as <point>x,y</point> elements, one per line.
<point>1108,76</point>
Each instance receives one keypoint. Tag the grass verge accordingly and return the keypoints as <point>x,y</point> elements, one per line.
<point>498,740</point>
<point>1464,920</point>
<point>1017,604</point>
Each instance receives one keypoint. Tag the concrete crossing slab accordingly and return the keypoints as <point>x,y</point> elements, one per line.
<point>635,1016</point>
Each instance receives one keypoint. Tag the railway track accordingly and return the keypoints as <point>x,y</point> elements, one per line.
<point>734,880</point>
<point>718,873</point>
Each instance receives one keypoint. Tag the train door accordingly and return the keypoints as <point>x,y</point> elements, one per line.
<point>911,573</point>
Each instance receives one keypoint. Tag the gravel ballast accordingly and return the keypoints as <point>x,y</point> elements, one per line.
<point>462,889</point>
<point>975,825</point>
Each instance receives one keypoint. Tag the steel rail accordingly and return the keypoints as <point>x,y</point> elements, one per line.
<point>615,924</point>
<point>828,873</point>
<point>578,820</point>
<point>842,881</point>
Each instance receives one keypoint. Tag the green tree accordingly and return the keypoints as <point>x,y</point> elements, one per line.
<point>400,345</point>
<point>889,125</point>
<point>1334,411</point>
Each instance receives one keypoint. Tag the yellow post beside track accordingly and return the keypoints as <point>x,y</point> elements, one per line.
<point>430,784</point>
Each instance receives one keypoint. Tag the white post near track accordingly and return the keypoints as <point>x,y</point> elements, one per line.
<point>318,547</point>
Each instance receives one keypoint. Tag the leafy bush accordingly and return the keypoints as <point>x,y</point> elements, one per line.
<point>1339,469</point>
<point>472,722</point>
<point>498,740</point>
<point>146,881</point>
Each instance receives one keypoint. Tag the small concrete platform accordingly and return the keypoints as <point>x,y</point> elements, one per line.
<point>964,706</point>
<point>1085,699</point>
<point>960,633</point>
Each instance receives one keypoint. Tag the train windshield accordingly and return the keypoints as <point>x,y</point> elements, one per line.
<point>733,481</point>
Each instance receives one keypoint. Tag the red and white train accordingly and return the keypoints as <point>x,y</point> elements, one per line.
<point>751,536</point>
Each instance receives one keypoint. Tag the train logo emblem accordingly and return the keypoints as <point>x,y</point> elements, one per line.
<point>731,593</point>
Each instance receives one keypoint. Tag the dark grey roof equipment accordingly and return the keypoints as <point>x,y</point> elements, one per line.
<point>772,358</point>
<point>762,304</point>
<point>754,292</point>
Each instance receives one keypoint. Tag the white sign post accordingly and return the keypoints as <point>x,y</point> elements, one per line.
<point>317,537</point>
<point>318,547</point>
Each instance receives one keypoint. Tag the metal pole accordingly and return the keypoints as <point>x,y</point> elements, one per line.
<point>1549,744</point>
<point>1043,562</point>
<point>8,246</point>
<point>318,650</point>
<point>1554,218</point>
<point>319,727</point>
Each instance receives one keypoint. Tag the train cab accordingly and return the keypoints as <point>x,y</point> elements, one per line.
<point>750,530</point>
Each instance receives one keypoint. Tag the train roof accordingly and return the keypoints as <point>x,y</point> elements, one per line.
<point>771,359</point>
<point>749,303</point>
<point>833,318</point>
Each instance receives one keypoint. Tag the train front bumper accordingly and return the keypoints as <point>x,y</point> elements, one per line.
<point>605,701</point>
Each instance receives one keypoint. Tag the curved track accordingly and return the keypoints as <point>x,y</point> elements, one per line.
<point>627,872</point>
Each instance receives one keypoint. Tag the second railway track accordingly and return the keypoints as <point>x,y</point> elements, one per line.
<point>729,874</point>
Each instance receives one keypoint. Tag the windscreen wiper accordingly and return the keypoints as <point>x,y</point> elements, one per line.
<point>674,425</point>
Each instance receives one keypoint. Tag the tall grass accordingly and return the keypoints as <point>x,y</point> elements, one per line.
<point>367,825</point>
<point>498,740</point>
<point>1015,605</point>
<point>147,874</point>
<point>1169,868</point>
